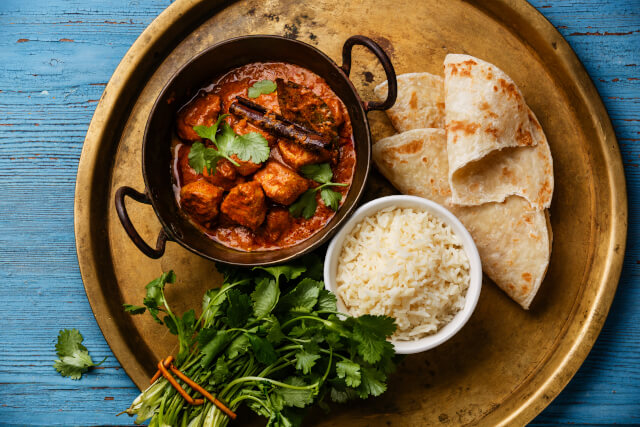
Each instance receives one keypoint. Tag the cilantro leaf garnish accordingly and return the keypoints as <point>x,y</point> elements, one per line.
<point>74,359</point>
<point>306,205</point>
<point>331,198</point>
<point>320,172</point>
<point>261,87</point>
<point>249,147</point>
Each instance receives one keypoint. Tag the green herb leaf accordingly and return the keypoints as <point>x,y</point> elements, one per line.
<point>155,294</point>
<point>304,296</point>
<point>290,272</point>
<point>327,301</point>
<point>262,349</point>
<point>239,308</point>
<point>261,87</point>
<point>69,340</point>
<point>342,394</point>
<point>294,397</point>
<point>238,347</point>
<point>220,373</point>
<point>350,371</point>
<point>74,359</point>
<point>305,361</point>
<point>202,158</point>
<point>381,326</point>
<point>275,334</point>
<point>370,332</point>
<point>209,132</point>
<point>372,382</point>
<point>171,325</point>
<point>265,297</point>
<point>155,288</point>
<point>252,147</point>
<point>320,172</point>
<point>226,139</point>
<point>306,205</point>
<point>314,266</point>
<point>331,198</point>
<point>134,309</point>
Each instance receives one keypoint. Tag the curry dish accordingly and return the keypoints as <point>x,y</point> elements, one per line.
<point>263,157</point>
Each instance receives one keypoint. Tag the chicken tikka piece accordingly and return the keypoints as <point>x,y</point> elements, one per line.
<point>201,200</point>
<point>246,205</point>
<point>281,184</point>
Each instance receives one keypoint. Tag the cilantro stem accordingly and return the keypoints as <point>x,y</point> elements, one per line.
<point>327,323</point>
<point>337,354</point>
<point>290,347</point>
<point>328,184</point>
<point>326,374</point>
<point>274,382</point>
<point>276,369</point>
<point>332,184</point>
<point>248,396</point>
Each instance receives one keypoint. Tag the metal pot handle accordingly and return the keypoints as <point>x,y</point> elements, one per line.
<point>130,229</point>
<point>386,64</point>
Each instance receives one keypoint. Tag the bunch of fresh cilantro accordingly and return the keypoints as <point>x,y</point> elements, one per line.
<point>271,339</point>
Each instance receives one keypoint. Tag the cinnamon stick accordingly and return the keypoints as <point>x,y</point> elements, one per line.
<point>259,116</point>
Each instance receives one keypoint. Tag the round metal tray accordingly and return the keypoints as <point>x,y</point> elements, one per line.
<point>507,364</point>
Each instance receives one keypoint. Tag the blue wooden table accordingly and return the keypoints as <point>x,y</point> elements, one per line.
<point>56,56</point>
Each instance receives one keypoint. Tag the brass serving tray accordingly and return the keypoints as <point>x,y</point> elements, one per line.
<point>507,364</point>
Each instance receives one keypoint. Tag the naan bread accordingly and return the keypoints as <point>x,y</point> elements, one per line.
<point>513,238</point>
<point>522,171</point>
<point>420,102</point>
<point>485,112</point>
<point>505,167</point>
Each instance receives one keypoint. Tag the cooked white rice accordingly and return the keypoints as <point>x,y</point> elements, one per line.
<point>407,264</point>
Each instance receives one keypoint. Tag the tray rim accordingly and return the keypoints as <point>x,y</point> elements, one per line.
<point>186,14</point>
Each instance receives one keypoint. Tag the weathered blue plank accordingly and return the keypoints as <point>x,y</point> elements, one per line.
<point>57,55</point>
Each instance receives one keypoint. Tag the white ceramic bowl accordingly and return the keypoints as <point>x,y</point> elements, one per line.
<point>475,267</point>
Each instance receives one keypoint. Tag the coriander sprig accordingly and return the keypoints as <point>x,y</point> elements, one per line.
<point>269,338</point>
<point>306,205</point>
<point>248,147</point>
<point>261,87</point>
<point>74,359</point>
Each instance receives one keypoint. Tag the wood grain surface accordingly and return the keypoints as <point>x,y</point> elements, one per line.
<point>57,56</point>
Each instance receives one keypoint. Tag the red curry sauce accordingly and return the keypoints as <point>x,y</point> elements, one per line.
<point>288,230</point>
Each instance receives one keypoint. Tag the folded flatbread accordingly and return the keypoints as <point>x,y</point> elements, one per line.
<point>492,137</point>
<point>494,140</point>
<point>522,171</point>
<point>513,237</point>
<point>420,102</point>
